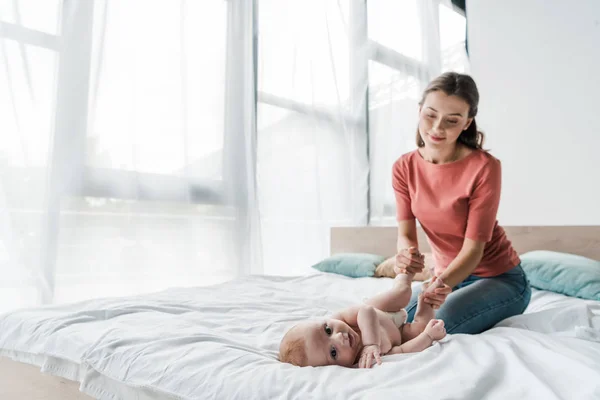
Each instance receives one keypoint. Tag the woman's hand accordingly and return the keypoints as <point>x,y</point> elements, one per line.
<point>435,292</point>
<point>409,261</point>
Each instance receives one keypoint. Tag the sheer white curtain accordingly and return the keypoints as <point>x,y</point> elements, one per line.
<point>312,143</point>
<point>325,69</point>
<point>127,159</point>
<point>412,42</point>
<point>148,144</point>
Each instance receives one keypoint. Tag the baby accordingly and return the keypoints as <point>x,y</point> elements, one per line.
<point>363,333</point>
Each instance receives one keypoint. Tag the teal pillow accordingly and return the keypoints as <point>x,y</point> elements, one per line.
<point>563,273</point>
<point>354,265</point>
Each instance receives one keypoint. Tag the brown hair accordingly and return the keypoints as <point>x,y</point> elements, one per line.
<point>292,349</point>
<point>463,86</point>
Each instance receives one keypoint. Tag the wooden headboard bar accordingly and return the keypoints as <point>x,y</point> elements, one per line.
<point>582,240</point>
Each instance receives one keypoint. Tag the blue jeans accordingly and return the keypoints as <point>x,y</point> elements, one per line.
<point>477,304</point>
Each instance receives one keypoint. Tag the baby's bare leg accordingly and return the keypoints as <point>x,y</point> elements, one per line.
<point>414,345</point>
<point>396,298</point>
<point>424,314</point>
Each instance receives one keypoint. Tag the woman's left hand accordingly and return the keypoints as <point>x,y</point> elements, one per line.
<point>436,297</point>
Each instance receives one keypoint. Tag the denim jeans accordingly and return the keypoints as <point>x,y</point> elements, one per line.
<point>477,304</point>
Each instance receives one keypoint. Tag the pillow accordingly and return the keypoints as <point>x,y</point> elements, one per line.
<point>386,268</point>
<point>563,273</point>
<point>354,265</point>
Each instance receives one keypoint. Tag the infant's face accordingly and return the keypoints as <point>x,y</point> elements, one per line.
<point>331,342</point>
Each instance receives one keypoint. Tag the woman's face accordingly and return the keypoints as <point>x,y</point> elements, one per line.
<point>442,118</point>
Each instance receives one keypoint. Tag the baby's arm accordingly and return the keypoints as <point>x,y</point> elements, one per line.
<point>348,315</point>
<point>433,331</point>
<point>396,298</point>
<point>367,320</point>
<point>424,314</point>
<point>368,323</point>
<point>416,344</point>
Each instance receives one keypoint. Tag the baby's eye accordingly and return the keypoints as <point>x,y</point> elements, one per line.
<point>333,353</point>
<point>328,330</point>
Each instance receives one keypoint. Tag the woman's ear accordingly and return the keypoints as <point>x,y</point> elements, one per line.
<point>468,124</point>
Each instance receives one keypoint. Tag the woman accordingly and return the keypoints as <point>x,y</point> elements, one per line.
<point>452,186</point>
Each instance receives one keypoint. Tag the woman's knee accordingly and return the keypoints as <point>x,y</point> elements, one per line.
<point>479,322</point>
<point>482,305</point>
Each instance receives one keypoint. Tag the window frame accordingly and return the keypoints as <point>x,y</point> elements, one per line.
<point>422,71</point>
<point>68,174</point>
<point>68,171</point>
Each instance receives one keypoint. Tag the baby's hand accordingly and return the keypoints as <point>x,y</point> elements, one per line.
<point>435,329</point>
<point>369,354</point>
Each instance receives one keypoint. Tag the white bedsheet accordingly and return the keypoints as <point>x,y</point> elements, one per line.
<point>221,342</point>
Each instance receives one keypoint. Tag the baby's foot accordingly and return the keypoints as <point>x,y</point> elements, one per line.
<point>437,283</point>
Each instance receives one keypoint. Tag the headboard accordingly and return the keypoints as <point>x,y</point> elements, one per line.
<point>582,240</point>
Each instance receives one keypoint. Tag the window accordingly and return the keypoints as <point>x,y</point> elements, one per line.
<point>303,67</point>
<point>395,25</point>
<point>453,27</point>
<point>411,42</point>
<point>156,100</point>
<point>311,135</point>
<point>32,16</point>
<point>28,58</point>
<point>114,157</point>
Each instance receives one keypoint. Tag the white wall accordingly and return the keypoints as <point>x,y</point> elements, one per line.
<point>537,65</point>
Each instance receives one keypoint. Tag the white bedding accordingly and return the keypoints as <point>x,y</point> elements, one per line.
<point>221,342</point>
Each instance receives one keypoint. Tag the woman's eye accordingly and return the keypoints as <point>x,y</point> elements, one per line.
<point>431,116</point>
<point>327,330</point>
<point>452,122</point>
<point>333,353</point>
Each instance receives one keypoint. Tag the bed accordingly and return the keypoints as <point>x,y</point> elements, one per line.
<point>221,341</point>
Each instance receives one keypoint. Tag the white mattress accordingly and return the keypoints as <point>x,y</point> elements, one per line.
<point>221,342</point>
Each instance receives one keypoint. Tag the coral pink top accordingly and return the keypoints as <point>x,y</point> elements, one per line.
<point>452,202</point>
